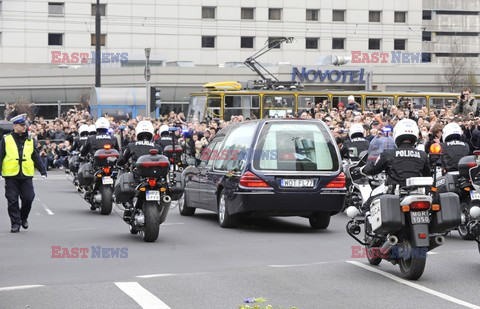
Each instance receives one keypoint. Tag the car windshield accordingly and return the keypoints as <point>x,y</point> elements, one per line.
<point>295,146</point>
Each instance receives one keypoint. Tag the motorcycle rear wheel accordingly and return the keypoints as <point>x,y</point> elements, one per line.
<point>107,200</point>
<point>152,223</point>
<point>412,267</point>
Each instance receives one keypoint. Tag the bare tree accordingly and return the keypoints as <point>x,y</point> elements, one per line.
<point>454,68</point>
<point>85,100</point>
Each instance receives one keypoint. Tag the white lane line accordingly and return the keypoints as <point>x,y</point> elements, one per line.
<point>173,223</point>
<point>156,276</point>
<point>415,285</point>
<point>432,253</point>
<point>46,208</point>
<point>142,296</point>
<point>20,287</point>
<point>299,265</point>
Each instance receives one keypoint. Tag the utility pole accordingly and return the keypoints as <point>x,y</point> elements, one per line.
<point>98,57</point>
<point>147,78</point>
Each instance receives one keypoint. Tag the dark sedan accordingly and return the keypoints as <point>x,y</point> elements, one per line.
<point>271,167</point>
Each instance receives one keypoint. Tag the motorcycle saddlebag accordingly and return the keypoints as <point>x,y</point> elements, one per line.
<point>85,174</point>
<point>176,191</point>
<point>449,215</point>
<point>386,215</point>
<point>448,183</point>
<point>73,163</point>
<point>124,188</point>
<point>101,157</point>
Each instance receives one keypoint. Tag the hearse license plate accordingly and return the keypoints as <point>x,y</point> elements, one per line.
<point>419,217</point>
<point>296,183</point>
<point>107,180</point>
<point>474,195</point>
<point>153,196</point>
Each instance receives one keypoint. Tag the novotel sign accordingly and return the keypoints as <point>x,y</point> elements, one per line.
<point>333,76</point>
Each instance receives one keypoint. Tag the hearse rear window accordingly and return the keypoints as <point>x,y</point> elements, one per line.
<point>295,146</point>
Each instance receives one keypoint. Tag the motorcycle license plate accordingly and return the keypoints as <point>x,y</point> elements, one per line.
<point>419,217</point>
<point>296,183</point>
<point>153,196</point>
<point>107,180</point>
<point>474,195</point>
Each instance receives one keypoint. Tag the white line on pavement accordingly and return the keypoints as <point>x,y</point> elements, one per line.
<point>300,265</point>
<point>432,253</point>
<point>173,223</point>
<point>169,275</point>
<point>46,208</point>
<point>142,296</point>
<point>83,229</point>
<point>415,285</point>
<point>20,287</point>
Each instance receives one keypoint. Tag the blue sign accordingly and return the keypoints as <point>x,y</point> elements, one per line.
<point>333,76</point>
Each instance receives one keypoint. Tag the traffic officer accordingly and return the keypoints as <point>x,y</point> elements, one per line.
<point>357,142</point>
<point>144,133</point>
<point>96,142</point>
<point>405,161</point>
<point>92,130</point>
<point>18,176</point>
<point>453,149</point>
<point>81,140</point>
<point>165,138</point>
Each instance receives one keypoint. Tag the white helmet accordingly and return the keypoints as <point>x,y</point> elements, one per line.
<point>451,131</point>
<point>83,129</point>
<point>92,129</point>
<point>406,129</point>
<point>356,129</point>
<point>102,123</point>
<point>163,128</point>
<point>351,98</point>
<point>144,130</point>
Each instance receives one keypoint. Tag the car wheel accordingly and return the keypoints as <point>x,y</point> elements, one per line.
<point>224,218</point>
<point>183,206</point>
<point>319,221</point>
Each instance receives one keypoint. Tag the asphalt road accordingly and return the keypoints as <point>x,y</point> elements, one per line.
<point>197,264</point>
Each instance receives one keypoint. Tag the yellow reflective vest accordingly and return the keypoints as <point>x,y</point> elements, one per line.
<point>11,165</point>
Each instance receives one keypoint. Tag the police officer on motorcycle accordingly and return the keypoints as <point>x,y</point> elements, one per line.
<point>92,130</point>
<point>453,148</point>
<point>96,142</point>
<point>165,138</point>
<point>403,162</point>
<point>357,142</point>
<point>144,133</point>
<point>80,140</point>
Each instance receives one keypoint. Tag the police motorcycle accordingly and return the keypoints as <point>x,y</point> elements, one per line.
<point>473,219</point>
<point>74,154</point>
<point>402,224</point>
<point>97,175</point>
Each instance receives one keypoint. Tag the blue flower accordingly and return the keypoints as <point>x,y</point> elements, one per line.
<point>249,300</point>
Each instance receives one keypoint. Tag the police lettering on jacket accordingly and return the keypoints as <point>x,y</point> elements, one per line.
<point>144,143</point>
<point>456,143</point>
<point>358,139</point>
<point>103,136</point>
<point>407,154</point>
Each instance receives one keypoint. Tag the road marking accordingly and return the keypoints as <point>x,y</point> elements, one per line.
<point>432,253</point>
<point>173,223</point>
<point>20,287</point>
<point>169,275</point>
<point>299,265</point>
<point>415,285</point>
<point>46,208</point>
<point>142,296</point>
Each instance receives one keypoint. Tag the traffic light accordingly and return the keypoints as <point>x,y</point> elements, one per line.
<point>155,98</point>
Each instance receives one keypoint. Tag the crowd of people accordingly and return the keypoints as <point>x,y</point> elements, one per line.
<point>57,136</point>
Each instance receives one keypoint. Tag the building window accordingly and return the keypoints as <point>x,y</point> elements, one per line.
<point>93,41</point>
<point>374,44</point>
<point>55,39</point>
<point>272,42</point>
<point>311,43</point>
<point>426,36</point>
<point>56,8</point>
<point>426,57</point>
<point>208,41</point>
<point>427,15</point>
<point>248,13</point>
<point>103,9</point>
<point>312,15</point>
<point>208,12</point>
<point>338,15</point>
<point>0,37</point>
<point>400,17</point>
<point>0,6</point>
<point>338,43</point>
<point>374,16</point>
<point>275,14</point>
<point>246,42</point>
<point>399,44</point>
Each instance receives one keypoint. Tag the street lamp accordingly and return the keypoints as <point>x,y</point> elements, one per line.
<point>147,75</point>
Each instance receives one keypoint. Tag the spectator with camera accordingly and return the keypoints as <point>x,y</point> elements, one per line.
<point>466,104</point>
